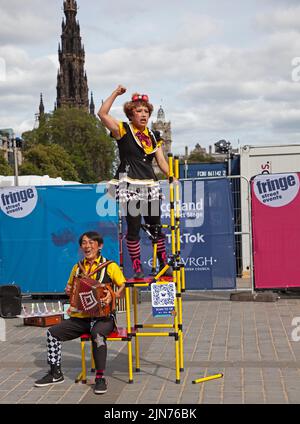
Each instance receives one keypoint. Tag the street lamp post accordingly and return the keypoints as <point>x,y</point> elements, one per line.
<point>14,146</point>
<point>229,158</point>
<point>186,162</point>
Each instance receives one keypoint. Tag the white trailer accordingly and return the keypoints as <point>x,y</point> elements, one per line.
<point>255,160</point>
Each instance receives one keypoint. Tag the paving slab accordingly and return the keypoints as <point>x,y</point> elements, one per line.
<point>249,342</point>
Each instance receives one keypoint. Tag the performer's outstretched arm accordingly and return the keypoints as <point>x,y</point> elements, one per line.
<point>108,121</point>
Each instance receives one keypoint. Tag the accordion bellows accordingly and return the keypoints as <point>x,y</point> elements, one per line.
<point>87,295</point>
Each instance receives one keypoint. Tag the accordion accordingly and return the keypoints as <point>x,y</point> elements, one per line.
<point>87,294</point>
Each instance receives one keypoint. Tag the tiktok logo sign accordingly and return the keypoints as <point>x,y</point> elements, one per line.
<point>276,190</point>
<point>18,202</point>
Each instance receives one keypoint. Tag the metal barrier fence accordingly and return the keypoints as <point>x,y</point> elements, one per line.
<point>241,196</point>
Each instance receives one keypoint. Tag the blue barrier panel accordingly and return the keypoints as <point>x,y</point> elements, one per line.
<point>39,231</point>
<point>209,169</point>
<point>40,227</point>
<point>203,170</point>
<point>207,234</point>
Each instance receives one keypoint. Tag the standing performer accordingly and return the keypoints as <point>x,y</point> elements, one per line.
<point>135,183</point>
<point>81,322</point>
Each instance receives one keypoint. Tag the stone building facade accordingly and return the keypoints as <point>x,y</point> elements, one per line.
<point>164,127</point>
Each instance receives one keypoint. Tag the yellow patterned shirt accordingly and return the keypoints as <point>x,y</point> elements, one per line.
<point>113,270</point>
<point>147,149</point>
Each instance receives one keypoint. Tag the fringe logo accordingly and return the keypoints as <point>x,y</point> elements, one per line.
<point>276,190</point>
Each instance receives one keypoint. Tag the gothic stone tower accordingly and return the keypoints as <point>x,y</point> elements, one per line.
<point>72,86</point>
<point>165,130</point>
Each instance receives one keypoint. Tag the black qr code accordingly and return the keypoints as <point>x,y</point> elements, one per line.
<point>163,294</point>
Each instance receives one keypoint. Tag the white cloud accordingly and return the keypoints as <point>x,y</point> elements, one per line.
<point>25,78</point>
<point>193,30</point>
<point>26,23</point>
<point>282,18</point>
<point>228,92</point>
<point>191,61</point>
<point>25,74</point>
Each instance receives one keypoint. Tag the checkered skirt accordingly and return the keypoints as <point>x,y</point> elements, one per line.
<point>124,191</point>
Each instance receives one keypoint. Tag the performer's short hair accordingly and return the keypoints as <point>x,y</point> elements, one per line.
<point>92,235</point>
<point>133,104</point>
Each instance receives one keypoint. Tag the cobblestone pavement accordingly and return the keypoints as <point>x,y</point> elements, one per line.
<point>249,342</point>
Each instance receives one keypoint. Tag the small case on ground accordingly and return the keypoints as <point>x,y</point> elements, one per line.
<point>43,321</point>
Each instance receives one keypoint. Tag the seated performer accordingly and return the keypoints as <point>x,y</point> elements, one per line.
<point>79,323</point>
<point>135,183</point>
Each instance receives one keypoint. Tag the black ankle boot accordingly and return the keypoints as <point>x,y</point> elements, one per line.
<point>137,267</point>
<point>56,370</point>
<point>163,260</point>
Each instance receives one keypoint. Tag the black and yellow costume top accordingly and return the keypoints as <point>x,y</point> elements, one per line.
<point>135,167</point>
<point>109,274</point>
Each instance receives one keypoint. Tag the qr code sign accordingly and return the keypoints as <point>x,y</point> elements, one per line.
<point>163,294</point>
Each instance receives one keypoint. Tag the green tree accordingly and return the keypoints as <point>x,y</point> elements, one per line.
<point>83,137</point>
<point>199,157</point>
<point>5,168</point>
<point>50,160</point>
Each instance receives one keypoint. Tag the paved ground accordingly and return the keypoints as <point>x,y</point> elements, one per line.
<point>250,342</point>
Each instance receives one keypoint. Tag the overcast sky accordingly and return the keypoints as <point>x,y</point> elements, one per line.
<point>220,68</point>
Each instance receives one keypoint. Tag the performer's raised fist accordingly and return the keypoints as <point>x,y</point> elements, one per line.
<point>120,90</point>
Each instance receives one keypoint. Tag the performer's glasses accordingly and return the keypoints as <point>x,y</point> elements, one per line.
<point>142,97</point>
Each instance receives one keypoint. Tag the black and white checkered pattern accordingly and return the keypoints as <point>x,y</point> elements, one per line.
<point>53,350</point>
<point>144,194</point>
